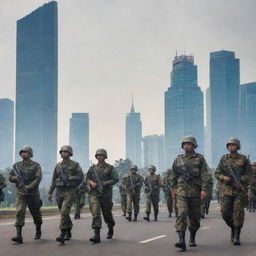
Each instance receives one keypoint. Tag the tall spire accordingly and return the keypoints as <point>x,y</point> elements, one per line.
<point>132,107</point>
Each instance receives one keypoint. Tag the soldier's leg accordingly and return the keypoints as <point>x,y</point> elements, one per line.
<point>238,212</point>
<point>194,212</point>
<point>203,205</point>
<point>94,205</point>
<point>34,205</point>
<point>155,202</point>
<point>175,206</point>
<point>21,205</point>
<point>137,204</point>
<point>227,208</point>
<point>129,203</point>
<point>169,202</point>
<point>77,207</point>
<point>182,207</point>
<point>148,204</point>
<point>106,206</point>
<point>124,203</point>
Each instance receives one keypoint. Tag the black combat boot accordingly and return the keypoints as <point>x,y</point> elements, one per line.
<point>110,232</point>
<point>170,215</point>
<point>38,233</point>
<point>135,217</point>
<point>129,217</point>
<point>237,236</point>
<point>124,214</point>
<point>192,240</point>
<point>155,216</point>
<point>61,238</point>
<point>147,217</point>
<point>96,238</point>
<point>232,234</point>
<point>181,244</point>
<point>68,235</point>
<point>77,216</point>
<point>18,238</point>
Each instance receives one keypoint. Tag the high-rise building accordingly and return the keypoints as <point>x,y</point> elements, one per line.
<point>207,133</point>
<point>79,138</point>
<point>153,151</point>
<point>6,133</point>
<point>184,109</point>
<point>224,101</point>
<point>133,136</point>
<point>36,85</point>
<point>248,119</point>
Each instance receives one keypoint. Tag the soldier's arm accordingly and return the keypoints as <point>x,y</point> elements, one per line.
<point>248,176</point>
<point>2,181</point>
<point>79,175</point>
<point>174,175</point>
<point>38,177</point>
<point>204,175</point>
<point>114,177</point>
<point>219,171</point>
<point>54,176</point>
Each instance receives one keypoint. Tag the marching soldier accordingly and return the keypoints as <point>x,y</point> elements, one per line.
<point>134,182</point>
<point>101,178</point>
<point>67,176</point>
<point>152,191</point>
<point>2,186</point>
<point>189,183</point>
<point>123,195</point>
<point>252,192</point>
<point>167,191</point>
<point>27,176</point>
<point>234,173</point>
<point>79,200</point>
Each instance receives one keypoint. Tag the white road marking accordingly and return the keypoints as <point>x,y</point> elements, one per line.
<point>204,228</point>
<point>152,239</point>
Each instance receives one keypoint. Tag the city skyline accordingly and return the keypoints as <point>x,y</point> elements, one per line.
<point>141,65</point>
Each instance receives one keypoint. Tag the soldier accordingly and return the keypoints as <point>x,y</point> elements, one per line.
<point>134,182</point>
<point>101,178</point>
<point>234,173</point>
<point>79,200</point>
<point>205,203</point>
<point>67,176</point>
<point>123,195</point>
<point>27,176</point>
<point>189,183</point>
<point>152,191</point>
<point>167,191</point>
<point>252,191</point>
<point>2,186</point>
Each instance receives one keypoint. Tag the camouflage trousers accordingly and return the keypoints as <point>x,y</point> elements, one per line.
<point>100,205</point>
<point>189,213</point>
<point>152,200</point>
<point>133,200</point>
<point>169,201</point>
<point>205,205</point>
<point>232,209</point>
<point>65,197</point>
<point>79,203</point>
<point>123,202</point>
<point>34,203</point>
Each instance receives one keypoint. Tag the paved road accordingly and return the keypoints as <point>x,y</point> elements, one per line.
<point>135,239</point>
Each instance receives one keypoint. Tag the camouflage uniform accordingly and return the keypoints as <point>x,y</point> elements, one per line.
<point>152,190</point>
<point>252,192</point>
<point>2,186</point>
<point>123,195</point>
<point>66,188</point>
<point>205,203</point>
<point>134,182</point>
<point>28,195</point>
<point>102,201</point>
<point>79,200</point>
<point>167,192</point>
<point>234,197</point>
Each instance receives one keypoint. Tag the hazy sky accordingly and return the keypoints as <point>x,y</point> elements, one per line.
<point>109,49</point>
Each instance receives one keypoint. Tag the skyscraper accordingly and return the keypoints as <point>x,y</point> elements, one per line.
<point>248,119</point>
<point>133,136</point>
<point>184,110</point>
<point>36,85</point>
<point>224,101</point>
<point>79,138</point>
<point>153,151</point>
<point>6,132</point>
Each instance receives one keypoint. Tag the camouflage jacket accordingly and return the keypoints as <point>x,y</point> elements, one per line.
<point>166,184</point>
<point>108,176</point>
<point>134,182</point>
<point>66,174</point>
<point>197,179</point>
<point>240,164</point>
<point>32,175</point>
<point>2,181</point>
<point>152,184</point>
<point>122,185</point>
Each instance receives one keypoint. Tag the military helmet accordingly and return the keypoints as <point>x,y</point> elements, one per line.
<point>67,148</point>
<point>189,139</point>
<point>235,141</point>
<point>152,167</point>
<point>134,167</point>
<point>101,151</point>
<point>26,149</point>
